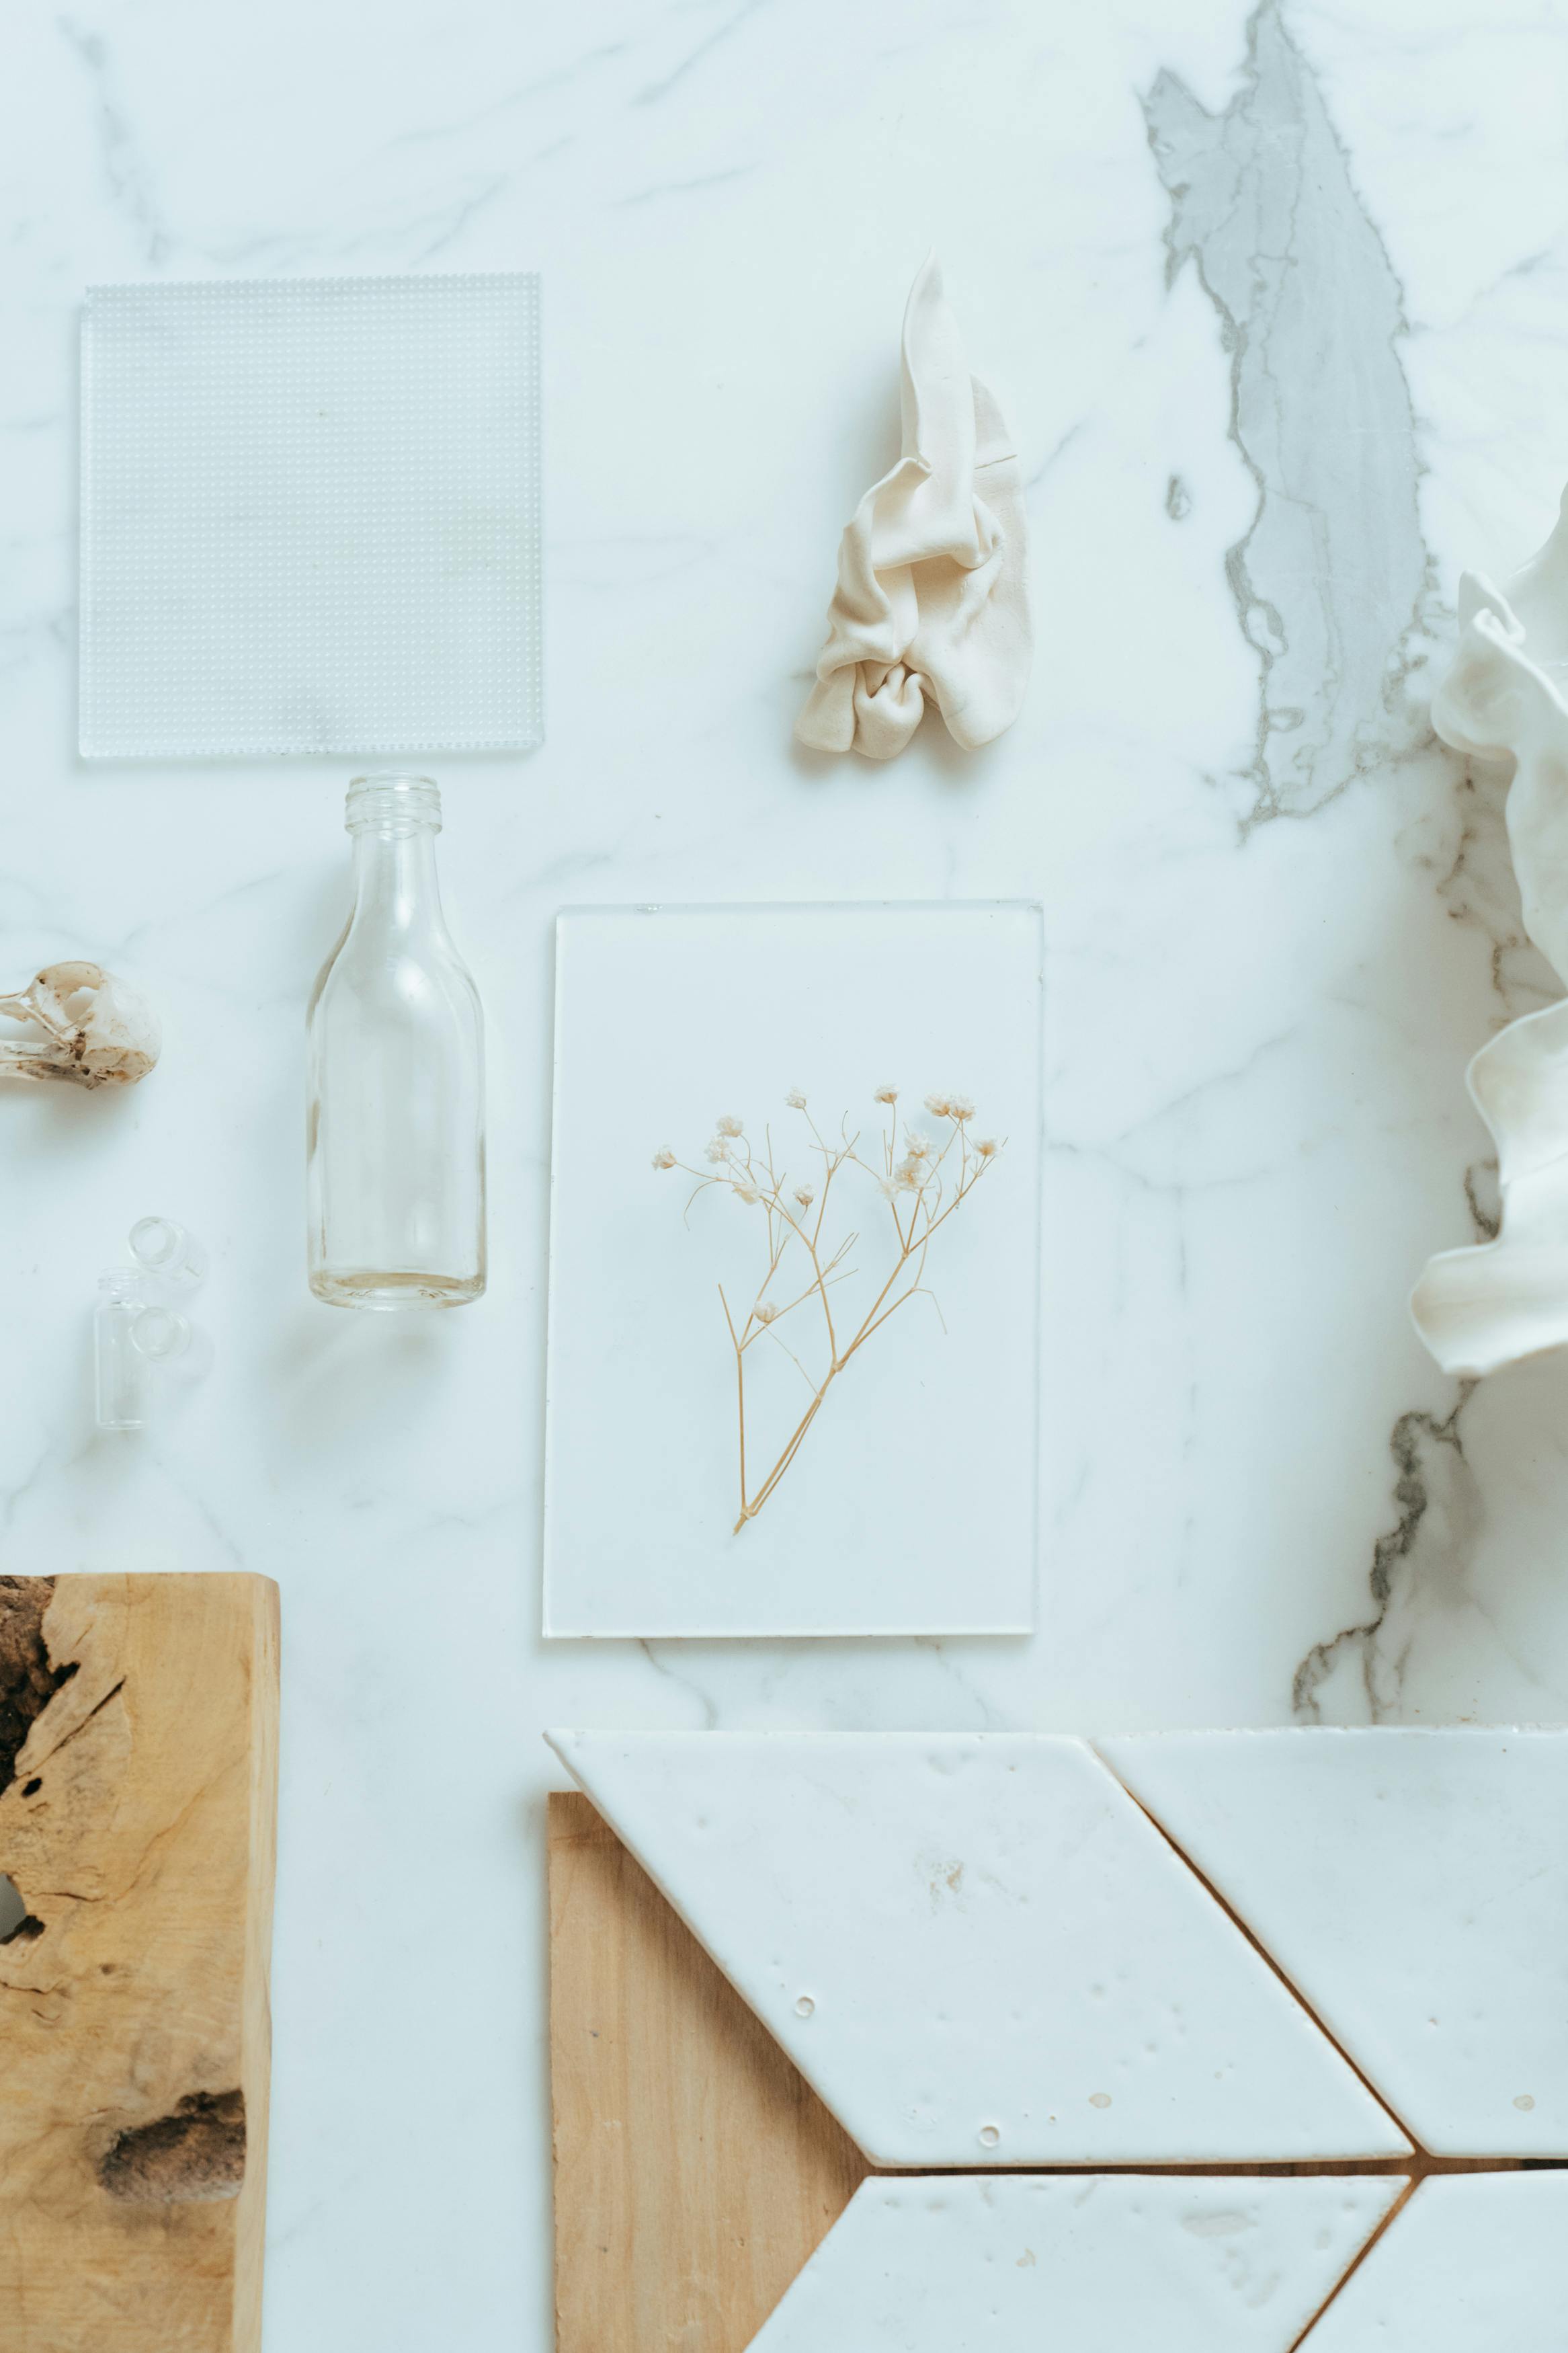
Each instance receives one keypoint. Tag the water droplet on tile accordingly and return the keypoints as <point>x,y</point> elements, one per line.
<point>1524,2101</point>
<point>1099,2099</point>
<point>989,2135</point>
<point>804,2006</point>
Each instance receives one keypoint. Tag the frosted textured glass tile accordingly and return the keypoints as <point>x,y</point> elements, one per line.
<point>910,1506</point>
<point>1098,2263</point>
<point>978,1949</point>
<point>310,517</point>
<point>1413,1885</point>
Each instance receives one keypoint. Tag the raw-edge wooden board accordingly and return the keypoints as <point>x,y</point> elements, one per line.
<point>695,2170</point>
<point>138,1792</point>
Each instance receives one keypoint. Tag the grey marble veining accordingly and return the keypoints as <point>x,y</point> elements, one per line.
<point>1357,1675</point>
<point>1331,579</point>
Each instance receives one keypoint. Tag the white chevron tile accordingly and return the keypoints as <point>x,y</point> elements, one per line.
<point>1477,2262</point>
<point>1088,2263</point>
<point>978,1949</point>
<point>1413,1885</point>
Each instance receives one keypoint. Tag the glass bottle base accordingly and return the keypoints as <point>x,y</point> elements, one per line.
<point>384,1293</point>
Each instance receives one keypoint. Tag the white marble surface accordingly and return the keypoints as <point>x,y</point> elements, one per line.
<point>1272,948</point>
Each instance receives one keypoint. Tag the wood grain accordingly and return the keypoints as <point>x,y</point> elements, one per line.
<point>695,2169</point>
<point>138,1771</point>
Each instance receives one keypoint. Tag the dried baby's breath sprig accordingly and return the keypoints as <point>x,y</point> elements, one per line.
<point>921,1178</point>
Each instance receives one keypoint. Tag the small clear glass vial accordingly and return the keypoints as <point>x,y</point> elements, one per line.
<point>122,1373</point>
<point>395,1143</point>
<point>169,1251</point>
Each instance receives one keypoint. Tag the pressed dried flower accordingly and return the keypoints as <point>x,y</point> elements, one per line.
<point>929,1176</point>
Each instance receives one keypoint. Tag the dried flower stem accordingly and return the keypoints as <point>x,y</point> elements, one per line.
<point>912,1172</point>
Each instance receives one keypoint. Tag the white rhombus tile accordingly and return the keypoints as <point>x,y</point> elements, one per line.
<point>1081,2264</point>
<point>1477,2262</point>
<point>978,1949</point>
<point>1413,1886</point>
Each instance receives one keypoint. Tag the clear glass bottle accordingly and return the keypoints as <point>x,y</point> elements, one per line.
<point>396,1120</point>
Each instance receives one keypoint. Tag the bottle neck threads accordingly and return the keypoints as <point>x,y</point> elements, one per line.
<point>393,806</point>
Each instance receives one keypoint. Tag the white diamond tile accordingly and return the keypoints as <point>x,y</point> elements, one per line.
<point>1477,2262</point>
<point>1413,1885</point>
<point>978,1949</point>
<point>1077,2263</point>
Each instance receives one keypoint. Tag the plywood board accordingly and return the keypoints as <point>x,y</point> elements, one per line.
<point>695,2170</point>
<point>138,1770</point>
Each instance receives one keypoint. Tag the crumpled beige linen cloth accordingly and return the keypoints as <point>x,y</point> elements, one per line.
<point>932,597</point>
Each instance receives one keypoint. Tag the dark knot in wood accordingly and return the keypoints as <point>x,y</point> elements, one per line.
<point>192,2157</point>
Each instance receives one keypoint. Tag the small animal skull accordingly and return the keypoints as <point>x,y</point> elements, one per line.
<point>96,1030</point>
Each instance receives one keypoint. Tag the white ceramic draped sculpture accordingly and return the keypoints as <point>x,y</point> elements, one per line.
<point>1503,703</point>
<point>932,598</point>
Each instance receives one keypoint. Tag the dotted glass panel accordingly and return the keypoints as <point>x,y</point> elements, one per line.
<point>310,517</point>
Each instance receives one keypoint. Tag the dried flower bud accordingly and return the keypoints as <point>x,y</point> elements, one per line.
<point>805,1195</point>
<point>747,1193</point>
<point>917,1147</point>
<point>795,1099</point>
<point>939,1106</point>
<point>959,1107</point>
<point>987,1147</point>
<point>664,1158</point>
<point>728,1124</point>
<point>886,1094</point>
<point>765,1311</point>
